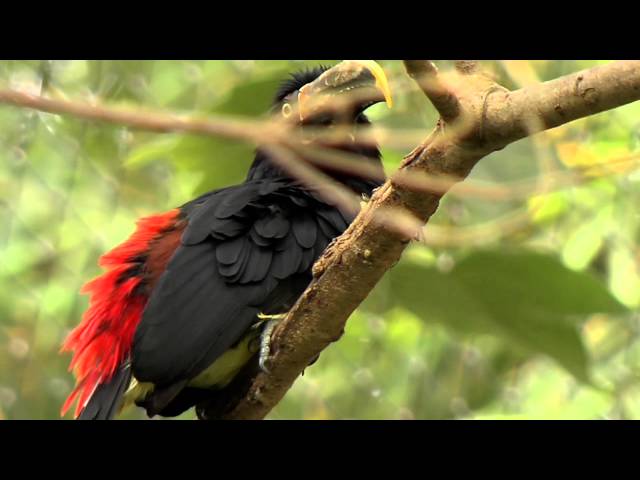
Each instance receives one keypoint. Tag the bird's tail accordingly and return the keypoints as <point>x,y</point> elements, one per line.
<point>106,401</point>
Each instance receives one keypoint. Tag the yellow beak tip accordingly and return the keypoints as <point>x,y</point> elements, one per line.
<point>381,79</point>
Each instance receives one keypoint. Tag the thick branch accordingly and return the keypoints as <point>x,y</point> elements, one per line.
<point>357,260</point>
<point>510,116</point>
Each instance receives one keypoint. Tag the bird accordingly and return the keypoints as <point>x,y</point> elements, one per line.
<point>182,303</point>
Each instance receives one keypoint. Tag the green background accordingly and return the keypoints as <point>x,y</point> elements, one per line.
<point>538,321</point>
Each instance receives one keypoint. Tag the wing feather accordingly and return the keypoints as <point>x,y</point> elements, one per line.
<point>245,249</point>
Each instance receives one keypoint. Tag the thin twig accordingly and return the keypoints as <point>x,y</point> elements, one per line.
<point>441,96</point>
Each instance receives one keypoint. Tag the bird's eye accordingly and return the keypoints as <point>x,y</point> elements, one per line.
<point>286,110</point>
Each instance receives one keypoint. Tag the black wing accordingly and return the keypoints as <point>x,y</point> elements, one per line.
<point>245,250</point>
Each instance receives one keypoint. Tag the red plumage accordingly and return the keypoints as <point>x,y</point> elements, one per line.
<point>104,338</point>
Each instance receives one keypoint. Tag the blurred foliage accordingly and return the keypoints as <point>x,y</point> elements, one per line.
<point>535,322</point>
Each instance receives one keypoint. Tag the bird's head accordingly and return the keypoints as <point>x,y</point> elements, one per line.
<point>322,100</point>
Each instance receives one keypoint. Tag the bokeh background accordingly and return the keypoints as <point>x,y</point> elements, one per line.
<point>522,306</point>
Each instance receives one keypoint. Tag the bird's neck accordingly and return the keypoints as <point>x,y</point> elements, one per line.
<point>264,166</point>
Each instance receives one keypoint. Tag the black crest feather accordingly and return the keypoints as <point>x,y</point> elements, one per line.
<point>298,80</point>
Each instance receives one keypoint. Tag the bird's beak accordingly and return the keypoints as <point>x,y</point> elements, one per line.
<point>352,83</point>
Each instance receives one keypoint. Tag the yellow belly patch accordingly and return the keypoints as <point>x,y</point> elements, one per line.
<point>218,375</point>
<point>227,366</point>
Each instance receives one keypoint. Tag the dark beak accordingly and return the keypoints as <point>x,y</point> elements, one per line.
<point>350,85</point>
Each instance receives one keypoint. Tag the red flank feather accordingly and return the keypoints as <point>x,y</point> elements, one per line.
<point>104,337</point>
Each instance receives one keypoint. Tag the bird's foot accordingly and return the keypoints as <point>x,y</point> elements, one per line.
<point>364,200</point>
<point>265,338</point>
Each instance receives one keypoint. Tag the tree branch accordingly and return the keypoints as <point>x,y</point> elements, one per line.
<point>269,134</point>
<point>510,115</point>
<point>146,120</point>
<point>355,262</point>
<point>425,73</point>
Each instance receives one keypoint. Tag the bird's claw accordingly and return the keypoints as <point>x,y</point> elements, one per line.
<point>265,338</point>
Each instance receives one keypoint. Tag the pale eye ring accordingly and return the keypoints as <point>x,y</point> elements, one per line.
<point>286,110</point>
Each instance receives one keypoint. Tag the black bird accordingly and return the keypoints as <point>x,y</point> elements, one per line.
<point>174,317</point>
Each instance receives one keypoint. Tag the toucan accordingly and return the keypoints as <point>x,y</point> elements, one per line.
<point>183,302</point>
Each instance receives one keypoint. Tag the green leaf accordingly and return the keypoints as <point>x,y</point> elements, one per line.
<point>525,298</point>
<point>156,149</point>
<point>538,280</point>
<point>624,277</point>
<point>253,97</point>
<point>545,208</point>
<point>585,242</point>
